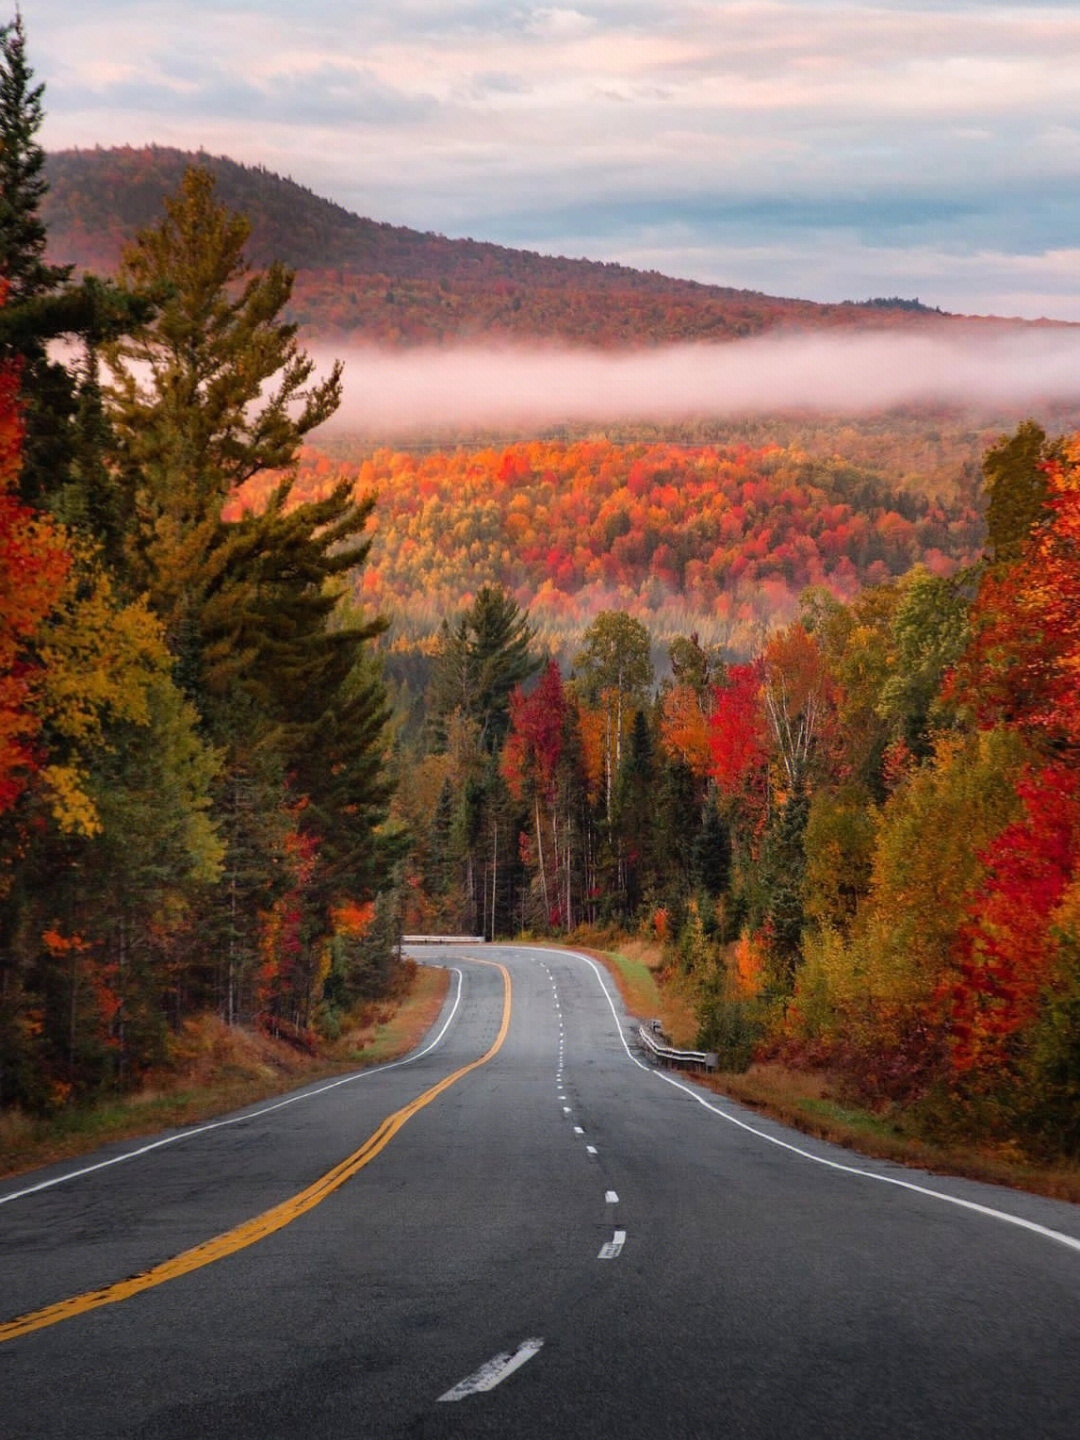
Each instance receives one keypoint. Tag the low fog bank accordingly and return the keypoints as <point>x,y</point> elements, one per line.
<point>431,390</point>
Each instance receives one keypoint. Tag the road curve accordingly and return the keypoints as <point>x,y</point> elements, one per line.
<point>546,1238</point>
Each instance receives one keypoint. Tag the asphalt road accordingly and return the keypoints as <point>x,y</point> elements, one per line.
<point>645,1264</point>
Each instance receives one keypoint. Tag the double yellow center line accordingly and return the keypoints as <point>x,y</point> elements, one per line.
<point>266,1223</point>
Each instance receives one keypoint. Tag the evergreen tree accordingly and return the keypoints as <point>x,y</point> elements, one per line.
<point>481,659</point>
<point>22,179</point>
<point>212,391</point>
<point>47,389</point>
<point>783,873</point>
<point>438,866</point>
<point>635,817</point>
<point>1018,490</point>
<point>61,409</point>
<point>186,397</point>
<point>711,858</point>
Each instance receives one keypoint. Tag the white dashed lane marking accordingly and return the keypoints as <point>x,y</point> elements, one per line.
<point>612,1249</point>
<point>494,1371</point>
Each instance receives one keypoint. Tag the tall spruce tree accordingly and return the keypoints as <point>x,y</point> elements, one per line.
<point>48,390</point>
<point>213,391</point>
<point>60,467</point>
<point>22,179</point>
<point>481,659</point>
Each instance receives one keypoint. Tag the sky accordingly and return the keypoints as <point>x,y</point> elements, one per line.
<point>829,151</point>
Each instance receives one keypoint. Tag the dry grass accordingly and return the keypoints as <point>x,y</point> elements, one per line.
<point>390,1029</point>
<point>216,1068</point>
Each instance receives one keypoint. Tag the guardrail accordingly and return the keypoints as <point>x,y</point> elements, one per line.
<point>668,1055</point>
<point>444,940</point>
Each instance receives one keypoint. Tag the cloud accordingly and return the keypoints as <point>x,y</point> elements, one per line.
<point>391,393</point>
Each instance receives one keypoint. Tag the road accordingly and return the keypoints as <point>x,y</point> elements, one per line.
<point>558,1242</point>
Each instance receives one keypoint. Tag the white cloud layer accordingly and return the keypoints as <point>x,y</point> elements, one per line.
<point>428,392</point>
<point>710,135</point>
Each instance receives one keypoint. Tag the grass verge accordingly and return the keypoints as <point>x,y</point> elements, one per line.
<point>218,1068</point>
<point>803,1100</point>
<point>647,990</point>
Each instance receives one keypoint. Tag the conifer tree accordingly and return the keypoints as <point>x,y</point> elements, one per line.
<point>47,390</point>
<point>1018,490</point>
<point>213,391</point>
<point>481,659</point>
<point>63,439</point>
<point>635,805</point>
<point>22,181</point>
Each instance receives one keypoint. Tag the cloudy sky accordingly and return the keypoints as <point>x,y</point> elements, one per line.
<point>815,148</point>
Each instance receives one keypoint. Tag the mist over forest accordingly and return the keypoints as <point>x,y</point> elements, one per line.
<point>456,388</point>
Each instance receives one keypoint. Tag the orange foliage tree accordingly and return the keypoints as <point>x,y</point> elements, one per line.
<point>34,563</point>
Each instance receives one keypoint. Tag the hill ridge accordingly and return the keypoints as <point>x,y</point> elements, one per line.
<point>237,182</point>
<point>367,280</point>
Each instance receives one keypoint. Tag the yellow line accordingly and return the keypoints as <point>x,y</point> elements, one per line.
<point>261,1225</point>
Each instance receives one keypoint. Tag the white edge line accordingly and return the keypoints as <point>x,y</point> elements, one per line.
<point>238,1119</point>
<point>1003,1215</point>
<point>493,1372</point>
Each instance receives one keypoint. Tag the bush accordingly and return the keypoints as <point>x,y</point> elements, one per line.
<point>732,1028</point>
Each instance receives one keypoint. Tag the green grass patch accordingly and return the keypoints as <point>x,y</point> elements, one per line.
<point>638,984</point>
<point>846,1115</point>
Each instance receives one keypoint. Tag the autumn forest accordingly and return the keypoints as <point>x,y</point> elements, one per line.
<point>795,702</point>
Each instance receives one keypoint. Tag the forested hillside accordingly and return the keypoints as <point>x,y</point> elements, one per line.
<point>365,280</point>
<point>722,539</point>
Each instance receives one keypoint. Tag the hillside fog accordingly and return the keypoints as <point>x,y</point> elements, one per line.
<point>432,389</point>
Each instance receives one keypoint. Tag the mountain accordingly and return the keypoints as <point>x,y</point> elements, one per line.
<point>365,280</point>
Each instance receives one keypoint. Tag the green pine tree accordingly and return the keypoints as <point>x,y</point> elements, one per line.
<point>22,178</point>
<point>213,391</point>
<point>482,657</point>
<point>1017,488</point>
<point>61,410</point>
